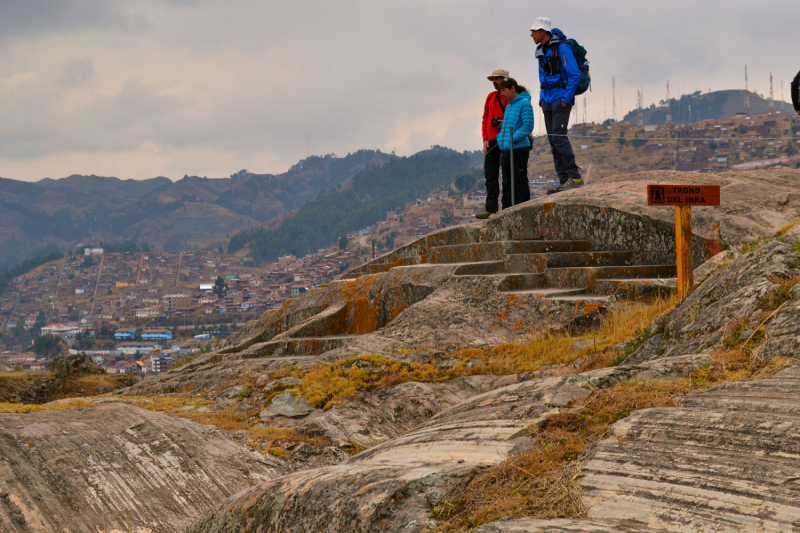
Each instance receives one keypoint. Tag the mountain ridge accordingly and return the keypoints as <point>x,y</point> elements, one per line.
<point>38,217</point>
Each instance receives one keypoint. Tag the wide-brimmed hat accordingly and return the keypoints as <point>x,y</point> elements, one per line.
<point>542,23</point>
<point>498,73</point>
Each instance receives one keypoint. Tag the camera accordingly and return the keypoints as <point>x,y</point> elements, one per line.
<point>497,122</point>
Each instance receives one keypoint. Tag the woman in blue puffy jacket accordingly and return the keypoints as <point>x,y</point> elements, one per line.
<point>519,116</point>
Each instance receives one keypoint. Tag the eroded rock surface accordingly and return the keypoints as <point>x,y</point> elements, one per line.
<point>754,205</point>
<point>114,468</point>
<point>394,485</point>
<point>378,416</point>
<point>729,294</point>
<point>726,460</point>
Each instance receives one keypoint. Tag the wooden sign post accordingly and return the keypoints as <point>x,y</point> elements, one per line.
<point>683,197</point>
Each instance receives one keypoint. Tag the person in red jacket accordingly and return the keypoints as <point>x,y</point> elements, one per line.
<point>493,111</point>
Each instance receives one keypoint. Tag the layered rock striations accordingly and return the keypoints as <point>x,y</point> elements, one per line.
<point>115,468</point>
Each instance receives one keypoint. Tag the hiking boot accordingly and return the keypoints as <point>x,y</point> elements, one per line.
<point>484,215</point>
<point>569,185</point>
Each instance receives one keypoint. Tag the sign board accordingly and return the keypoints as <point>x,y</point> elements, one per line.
<point>683,195</point>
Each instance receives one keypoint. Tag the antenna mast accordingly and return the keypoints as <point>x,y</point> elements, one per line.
<point>584,110</point>
<point>639,104</point>
<point>746,93</point>
<point>771,106</point>
<point>614,96</point>
<point>669,106</point>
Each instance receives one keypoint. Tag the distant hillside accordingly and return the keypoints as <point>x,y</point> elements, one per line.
<point>36,218</point>
<point>365,200</point>
<point>691,108</point>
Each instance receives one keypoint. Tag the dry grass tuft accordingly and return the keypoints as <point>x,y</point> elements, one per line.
<point>326,385</point>
<point>557,347</point>
<point>542,482</point>
<point>31,408</point>
<point>269,439</point>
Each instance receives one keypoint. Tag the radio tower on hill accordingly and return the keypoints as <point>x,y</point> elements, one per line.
<point>669,106</point>
<point>746,93</point>
<point>771,106</point>
<point>639,105</point>
<point>614,98</point>
<point>584,110</point>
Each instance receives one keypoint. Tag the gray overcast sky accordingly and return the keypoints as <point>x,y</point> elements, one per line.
<point>143,88</point>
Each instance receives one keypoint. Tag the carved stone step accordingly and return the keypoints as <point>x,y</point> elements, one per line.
<point>306,346</point>
<point>539,247</point>
<point>481,268</point>
<point>493,251</point>
<point>632,288</point>
<point>463,253</point>
<point>540,262</point>
<point>588,276</point>
<point>548,293</point>
<point>521,282</point>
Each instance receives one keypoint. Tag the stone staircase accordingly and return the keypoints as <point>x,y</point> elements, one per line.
<point>547,269</point>
<point>532,268</point>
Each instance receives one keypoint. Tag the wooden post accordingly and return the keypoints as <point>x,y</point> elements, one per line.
<point>683,249</point>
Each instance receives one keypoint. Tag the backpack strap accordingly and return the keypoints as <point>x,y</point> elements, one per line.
<point>562,84</point>
<point>500,102</point>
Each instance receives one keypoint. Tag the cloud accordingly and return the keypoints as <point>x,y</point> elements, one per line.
<point>77,72</point>
<point>42,17</point>
<point>200,87</point>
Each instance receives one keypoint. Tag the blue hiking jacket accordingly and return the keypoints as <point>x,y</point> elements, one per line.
<point>569,71</point>
<point>519,114</point>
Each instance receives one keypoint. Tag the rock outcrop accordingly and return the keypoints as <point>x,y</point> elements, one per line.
<point>531,268</point>
<point>755,204</point>
<point>729,296</point>
<point>725,462</point>
<point>114,468</point>
<point>546,264</point>
<point>714,464</point>
<point>394,485</point>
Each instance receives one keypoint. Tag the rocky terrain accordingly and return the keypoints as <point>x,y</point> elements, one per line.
<point>377,402</point>
<point>116,468</point>
<point>754,204</point>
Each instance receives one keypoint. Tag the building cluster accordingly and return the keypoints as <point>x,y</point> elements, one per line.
<point>149,355</point>
<point>738,143</point>
<point>85,293</point>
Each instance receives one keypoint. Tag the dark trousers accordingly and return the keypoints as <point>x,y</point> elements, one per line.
<point>522,193</point>
<point>491,171</point>
<point>556,121</point>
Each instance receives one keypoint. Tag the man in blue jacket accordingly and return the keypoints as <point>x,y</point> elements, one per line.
<point>559,76</point>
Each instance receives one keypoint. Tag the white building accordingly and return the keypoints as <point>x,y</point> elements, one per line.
<point>60,330</point>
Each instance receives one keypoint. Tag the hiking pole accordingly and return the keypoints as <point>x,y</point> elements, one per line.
<point>512,166</point>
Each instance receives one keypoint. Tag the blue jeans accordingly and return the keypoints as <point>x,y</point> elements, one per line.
<point>556,121</point>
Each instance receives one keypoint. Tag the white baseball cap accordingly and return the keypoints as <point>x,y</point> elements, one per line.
<point>542,23</point>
